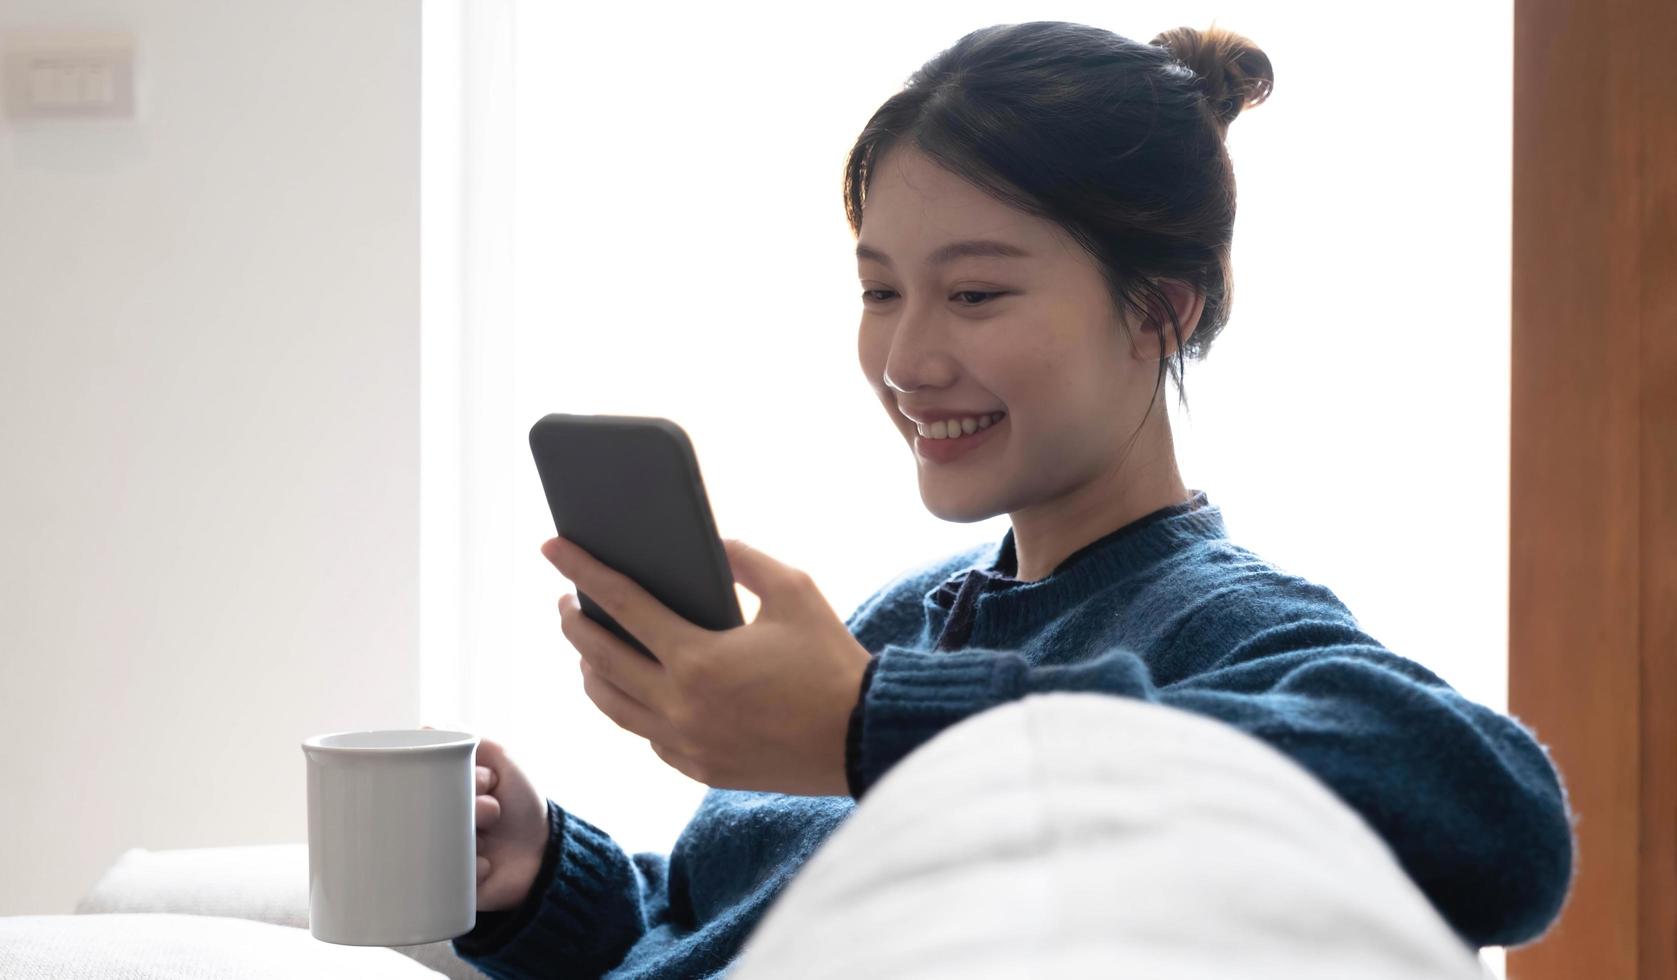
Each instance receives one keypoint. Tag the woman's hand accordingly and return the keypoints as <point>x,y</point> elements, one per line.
<point>511,829</point>
<point>764,706</point>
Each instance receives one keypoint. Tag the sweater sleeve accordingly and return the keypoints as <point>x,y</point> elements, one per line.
<point>1465,796</point>
<point>590,903</point>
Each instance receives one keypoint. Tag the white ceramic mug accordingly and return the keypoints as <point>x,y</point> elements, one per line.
<point>392,836</point>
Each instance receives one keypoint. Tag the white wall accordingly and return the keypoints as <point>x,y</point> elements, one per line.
<point>209,372</point>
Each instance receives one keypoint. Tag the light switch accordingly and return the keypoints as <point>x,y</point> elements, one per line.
<point>69,75</point>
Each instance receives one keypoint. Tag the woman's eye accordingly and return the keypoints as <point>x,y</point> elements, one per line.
<point>880,295</point>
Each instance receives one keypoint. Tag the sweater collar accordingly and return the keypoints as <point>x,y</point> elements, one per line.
<point>1109,559</point>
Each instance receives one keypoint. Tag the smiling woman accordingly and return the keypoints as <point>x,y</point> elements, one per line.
<point>1043,218</point>
<point>1085,178</point>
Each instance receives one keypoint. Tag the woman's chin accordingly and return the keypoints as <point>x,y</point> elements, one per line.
<point>958,504</point>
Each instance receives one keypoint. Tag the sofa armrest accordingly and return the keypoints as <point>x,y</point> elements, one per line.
<point>156,946</point>
<point>260,882</point>
<point>263,882</point>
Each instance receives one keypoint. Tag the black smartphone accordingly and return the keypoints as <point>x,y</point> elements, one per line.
<point>628,490</point>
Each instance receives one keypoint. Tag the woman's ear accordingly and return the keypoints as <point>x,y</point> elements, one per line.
<point>1189,303</point>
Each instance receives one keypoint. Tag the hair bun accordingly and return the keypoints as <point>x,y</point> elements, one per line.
<point>1233,72</point>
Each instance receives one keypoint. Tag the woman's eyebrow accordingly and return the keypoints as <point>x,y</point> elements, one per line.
<point>977,247</point>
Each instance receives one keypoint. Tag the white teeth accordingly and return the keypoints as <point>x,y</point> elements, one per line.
<point>955,428</point>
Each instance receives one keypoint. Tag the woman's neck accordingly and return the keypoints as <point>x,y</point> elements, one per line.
<point>1047,534</point>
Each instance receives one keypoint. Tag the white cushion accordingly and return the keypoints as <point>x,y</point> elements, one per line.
<point>1083,835</point>
<point>162,946</point>
<point>262,882</point>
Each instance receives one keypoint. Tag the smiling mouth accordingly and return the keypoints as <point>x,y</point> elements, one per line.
<point>951,450</point>
<point>954,427</point>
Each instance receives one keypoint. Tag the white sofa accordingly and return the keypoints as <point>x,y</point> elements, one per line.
<point>1064,835</point>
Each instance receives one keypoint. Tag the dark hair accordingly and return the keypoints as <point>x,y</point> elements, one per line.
<point>1118,142</point>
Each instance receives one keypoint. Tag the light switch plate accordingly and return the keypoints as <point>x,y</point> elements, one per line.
<point>69,75</point>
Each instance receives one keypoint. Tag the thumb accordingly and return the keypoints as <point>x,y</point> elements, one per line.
<point>765,576</point>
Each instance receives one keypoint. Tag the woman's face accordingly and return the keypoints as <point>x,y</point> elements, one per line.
<point>1044,346</point>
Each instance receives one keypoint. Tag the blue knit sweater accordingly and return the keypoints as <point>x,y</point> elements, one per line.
<point>1166,609</point>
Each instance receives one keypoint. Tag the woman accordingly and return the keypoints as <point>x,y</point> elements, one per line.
<point>1044,216</point>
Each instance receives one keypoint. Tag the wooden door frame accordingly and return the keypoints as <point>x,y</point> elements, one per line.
<point>1593,512</point>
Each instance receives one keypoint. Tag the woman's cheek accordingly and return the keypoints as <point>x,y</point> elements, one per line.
<point>867,345</point>
<point>873,345</point>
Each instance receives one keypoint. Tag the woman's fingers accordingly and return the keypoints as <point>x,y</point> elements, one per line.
<point>490,753</point>
<point>629,714</point>
<point>487,809</point>
<point>482,867</point>
<point>488,813</point>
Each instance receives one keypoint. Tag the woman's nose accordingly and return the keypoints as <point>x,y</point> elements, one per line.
<point>918,357</point>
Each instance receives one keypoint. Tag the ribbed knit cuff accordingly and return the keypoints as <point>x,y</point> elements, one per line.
<point>584,914</point>
<point>853,735</point>
<point>915,694</point>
